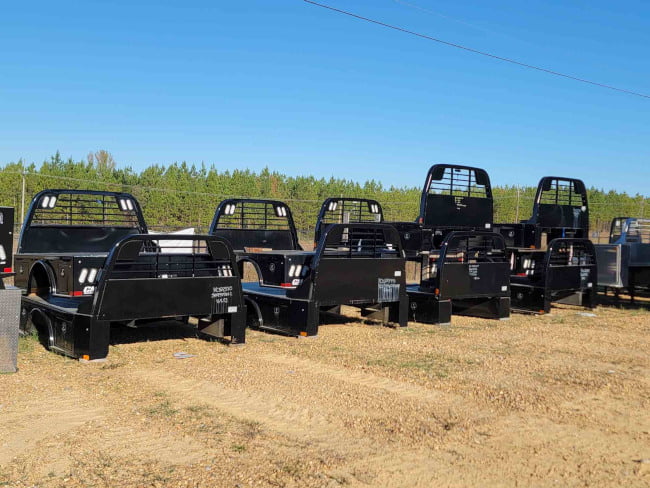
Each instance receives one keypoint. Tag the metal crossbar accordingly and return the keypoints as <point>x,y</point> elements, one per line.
<point>562,192</point>
<point>478,248</point>
<point>84,209</point>
<point>458,182</point>
<point>571,254</point>
<point>359,242</point>
<point>528,264</point>
<point>349,211</point>
<point>253,215</point>
<point>157,259</point>
<point>639,231</point>
<point>473,249</point>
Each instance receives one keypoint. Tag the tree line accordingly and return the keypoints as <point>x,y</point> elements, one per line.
<point>182,194</point>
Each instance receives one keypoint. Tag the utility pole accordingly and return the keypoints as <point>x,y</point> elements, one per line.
<point>517,210</point>
<point>642,205</point>
<point>22,204</point>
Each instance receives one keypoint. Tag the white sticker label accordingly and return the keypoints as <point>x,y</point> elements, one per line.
<point>221,295</point>
<point>89,290</point>
<point>232,309</point>
<point>388,290</point>
<point>398,273</point>
<point>504,288</point>
<point>488,225</point>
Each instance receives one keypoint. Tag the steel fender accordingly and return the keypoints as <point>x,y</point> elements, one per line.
<point>42,264</point>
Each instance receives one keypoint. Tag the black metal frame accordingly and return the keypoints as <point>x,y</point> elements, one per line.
<point>559,225</point>
<point>565,272</point>
<point>467,275</point>
<point>477,285</point>
<point>126,277</point>
<point>624,263</point>
<point>343,210</point>
<point>361,265</point>
<point>255,223</point>
<point>456,196</point>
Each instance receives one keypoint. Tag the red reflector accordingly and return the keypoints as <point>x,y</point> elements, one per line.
<point>521,274</point>
<point>7,270</point>
<point>76,293</point>
<point>286,285</point>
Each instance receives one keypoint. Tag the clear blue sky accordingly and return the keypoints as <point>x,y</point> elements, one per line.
<point>246,84</point>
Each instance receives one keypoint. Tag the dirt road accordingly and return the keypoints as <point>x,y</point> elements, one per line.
<point>556,400</point>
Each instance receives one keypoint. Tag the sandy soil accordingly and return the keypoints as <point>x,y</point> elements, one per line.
<point>556,400</point>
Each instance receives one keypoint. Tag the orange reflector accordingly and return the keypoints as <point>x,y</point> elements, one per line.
<point>541,312</point>
<point>436,292</point>
<point>303,333</point>
<point>76,293</point>
<point>7,270</point>
<point>86,357</point>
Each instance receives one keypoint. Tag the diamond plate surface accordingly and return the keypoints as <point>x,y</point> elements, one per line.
<point>9,322</point>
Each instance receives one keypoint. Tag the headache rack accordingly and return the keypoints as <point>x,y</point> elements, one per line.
<point>567,252</point>
<point>456,197</point>
<point>467,275</point>
<point>347,241</point>
<point>562,253</point>
<point>69,207</point>
<point>461,248</point>
<point>74,221</point>
<point>565,272</point>
<point>254,214</point>
<point>164,282</point>
<point>560,210</point>
<point>255,223</point>
<point>459,181</point>
<point>632,230</point>
<point>345,210</point>
<point>164,258</point>
<point>561,192</point>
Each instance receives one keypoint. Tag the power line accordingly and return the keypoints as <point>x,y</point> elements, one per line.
<point>476,51</point>
<point>439,14</point>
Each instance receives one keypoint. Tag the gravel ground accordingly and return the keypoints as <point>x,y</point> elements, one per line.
<point>559,399</point>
